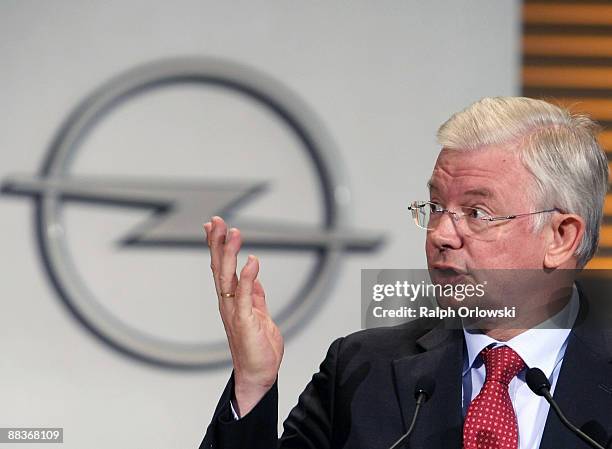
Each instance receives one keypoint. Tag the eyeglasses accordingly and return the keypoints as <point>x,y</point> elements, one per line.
<point>427,215</point>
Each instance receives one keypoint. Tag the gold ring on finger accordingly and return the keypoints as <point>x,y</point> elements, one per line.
<point>228,295</point>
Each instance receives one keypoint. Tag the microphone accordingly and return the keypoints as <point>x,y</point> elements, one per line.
<point>423,390</point>
<point>538,383</point>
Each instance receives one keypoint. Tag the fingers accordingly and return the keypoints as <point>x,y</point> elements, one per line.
<point>224,250</point>
<point>228,280</point>
<point>244,300</point>
<point>216,234</point>
<point>259,297</point>
<point>207,227</point>
<point>217,240</point>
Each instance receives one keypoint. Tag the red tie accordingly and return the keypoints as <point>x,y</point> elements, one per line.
<point>490,422</point>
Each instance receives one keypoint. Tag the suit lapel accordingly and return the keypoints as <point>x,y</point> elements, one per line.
<point>439,423</point>
<point>584,388</point>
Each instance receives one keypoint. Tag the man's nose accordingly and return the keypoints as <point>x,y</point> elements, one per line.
<point>446,233</point>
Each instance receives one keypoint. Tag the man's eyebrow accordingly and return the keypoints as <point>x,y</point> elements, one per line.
<point>482,191</point>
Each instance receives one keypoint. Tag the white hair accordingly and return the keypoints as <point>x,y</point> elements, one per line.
<point>559,148</point>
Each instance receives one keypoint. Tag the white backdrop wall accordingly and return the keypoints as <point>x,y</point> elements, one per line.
<point>381,76</point>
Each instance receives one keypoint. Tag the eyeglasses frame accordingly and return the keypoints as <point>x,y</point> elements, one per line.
<point>456,217</point>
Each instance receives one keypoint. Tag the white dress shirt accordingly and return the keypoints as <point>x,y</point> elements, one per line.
<point>538,347</point>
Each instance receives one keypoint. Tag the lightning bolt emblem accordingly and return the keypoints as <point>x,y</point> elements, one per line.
<point>179,208</point>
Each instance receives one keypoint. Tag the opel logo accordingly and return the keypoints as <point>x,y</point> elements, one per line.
<point>176,205</point>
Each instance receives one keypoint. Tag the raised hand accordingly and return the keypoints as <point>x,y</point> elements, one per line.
<point>254,339</point>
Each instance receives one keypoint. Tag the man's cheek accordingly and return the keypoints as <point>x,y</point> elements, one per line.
<point>429,249</point>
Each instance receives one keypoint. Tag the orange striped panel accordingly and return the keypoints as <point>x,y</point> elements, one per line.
<point>574,75</point>
<point>589,46</point>
<point>608,206</point>
<point>599,109</point>
<point>599,263</point>
<point>564,76</point>
<point>551,13</point>
<point>605,140</point>
<point>605,236</point>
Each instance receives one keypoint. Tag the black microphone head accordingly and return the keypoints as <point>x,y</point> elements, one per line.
<point>424,387</point>
<point>537,381</point>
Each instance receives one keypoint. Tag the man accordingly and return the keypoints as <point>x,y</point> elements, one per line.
<point>519,184</point>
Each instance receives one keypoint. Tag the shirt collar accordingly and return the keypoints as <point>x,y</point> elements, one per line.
<point>539,346</point>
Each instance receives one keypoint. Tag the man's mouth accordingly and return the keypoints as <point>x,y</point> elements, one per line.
<point>447,274</point>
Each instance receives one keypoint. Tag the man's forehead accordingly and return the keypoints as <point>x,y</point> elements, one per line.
<point>478,173</point>
<point>478,191</point>
<point>489,157</point>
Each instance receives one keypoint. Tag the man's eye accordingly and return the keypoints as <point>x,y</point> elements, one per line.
<point>476,213</point>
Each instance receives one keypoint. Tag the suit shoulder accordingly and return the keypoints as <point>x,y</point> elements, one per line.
<point>390,341</point>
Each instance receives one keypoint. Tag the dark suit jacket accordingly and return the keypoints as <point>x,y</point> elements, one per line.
<point>363,395</point>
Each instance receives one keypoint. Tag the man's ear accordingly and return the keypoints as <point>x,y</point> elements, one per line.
<point>565,234</point>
